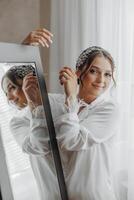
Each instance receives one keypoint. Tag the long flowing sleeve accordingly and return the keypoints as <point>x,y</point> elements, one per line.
<point>73,134</point>
<point>31,135</point>
<point>30,129</point>
<point>99,126</point>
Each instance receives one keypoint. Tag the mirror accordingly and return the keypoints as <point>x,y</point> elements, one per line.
<point>23,156</point>
<point>28,159</point>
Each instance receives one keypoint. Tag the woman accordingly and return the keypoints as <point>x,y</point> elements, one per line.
<point>86,123</point>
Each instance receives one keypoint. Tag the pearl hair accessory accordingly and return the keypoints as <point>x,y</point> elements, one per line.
<point>22,70</point>
<point>85,54</point>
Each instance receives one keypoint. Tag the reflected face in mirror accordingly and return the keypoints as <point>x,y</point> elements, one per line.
<point>20,85</point>
<point>14,93</point>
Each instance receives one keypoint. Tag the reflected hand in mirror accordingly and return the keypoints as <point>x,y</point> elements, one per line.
<point>37,37</point>
<point>31,91</point>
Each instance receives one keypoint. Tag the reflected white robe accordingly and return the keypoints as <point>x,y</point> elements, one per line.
<point>85,142</point>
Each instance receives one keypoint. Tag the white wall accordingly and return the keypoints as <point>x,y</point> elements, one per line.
<point>17,18</point>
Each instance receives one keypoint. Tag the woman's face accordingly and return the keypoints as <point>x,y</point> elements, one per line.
<point>14,93</point>
<point>96,80</point>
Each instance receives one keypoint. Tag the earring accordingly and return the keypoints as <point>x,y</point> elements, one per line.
<point>78,81</point>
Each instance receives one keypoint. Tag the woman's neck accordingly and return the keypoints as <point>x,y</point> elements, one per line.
<point>87,98</point>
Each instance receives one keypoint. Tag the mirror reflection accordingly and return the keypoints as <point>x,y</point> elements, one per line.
<point>25,130</point>
<point>20,172</point>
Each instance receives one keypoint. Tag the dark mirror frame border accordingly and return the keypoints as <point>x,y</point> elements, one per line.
<point>14,53</point>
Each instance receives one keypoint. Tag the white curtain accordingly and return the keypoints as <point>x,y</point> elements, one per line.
<point>78,24</point>
<point>73,31</point>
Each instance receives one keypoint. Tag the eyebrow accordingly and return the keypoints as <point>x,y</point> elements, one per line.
<point>94,66</point>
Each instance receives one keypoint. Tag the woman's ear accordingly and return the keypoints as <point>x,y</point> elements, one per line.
<point>78,72</point>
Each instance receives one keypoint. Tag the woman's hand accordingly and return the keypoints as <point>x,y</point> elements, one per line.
<point>68,78</point>
<point>41,37</point>
<point>31,90</point>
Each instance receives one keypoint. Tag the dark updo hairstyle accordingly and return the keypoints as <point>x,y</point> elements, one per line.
<point>88,55</point>
<point>17,72</point>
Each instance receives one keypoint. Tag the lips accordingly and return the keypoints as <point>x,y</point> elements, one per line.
<point>98,87</point>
